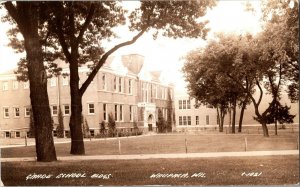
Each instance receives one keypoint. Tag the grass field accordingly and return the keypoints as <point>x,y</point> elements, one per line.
<point>272,170</point>
<point>171,144</point>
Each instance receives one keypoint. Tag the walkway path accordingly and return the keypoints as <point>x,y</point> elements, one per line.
<point>155,156</point>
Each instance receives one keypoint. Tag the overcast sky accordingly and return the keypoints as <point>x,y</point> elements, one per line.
<point>166,54</point>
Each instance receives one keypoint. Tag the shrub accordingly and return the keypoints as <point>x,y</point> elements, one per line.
<point>102,127</point>
<point>111,125</point>
<point>85,127</point>
<point>161,123</point>
<point>60,127</point>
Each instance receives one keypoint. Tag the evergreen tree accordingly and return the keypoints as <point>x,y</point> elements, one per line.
<point>102,127</point>
<point>60,127</point>
<point>161,123</point>
<point>111,125</point>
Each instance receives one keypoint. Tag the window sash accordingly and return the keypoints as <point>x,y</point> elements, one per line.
<point>180,120</point>
<point>91,108</point>
<point>17,112</point>
<point>67,109</point>
<point>104,112</point>
<point>54,110</point>
<point>6,112</point>
<point>116,112</point>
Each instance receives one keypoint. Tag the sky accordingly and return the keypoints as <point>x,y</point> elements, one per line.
<point>166,54</point>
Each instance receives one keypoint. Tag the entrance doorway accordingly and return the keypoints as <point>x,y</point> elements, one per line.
<point>150,121</point>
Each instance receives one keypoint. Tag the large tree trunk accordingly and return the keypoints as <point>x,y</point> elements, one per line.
<point>45,149</point>
<point>242,116</point>
<point>77,144</point>
<point>221,116</point>
<point>218,120</point>
<point>233,116</point>
<point>265,129</point>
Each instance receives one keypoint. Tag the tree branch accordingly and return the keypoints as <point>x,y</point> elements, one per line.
<point>59,32</point>
<point>13,12</point>
<point>105,56</point>
<point>86,23</point>
<point>261,91</point>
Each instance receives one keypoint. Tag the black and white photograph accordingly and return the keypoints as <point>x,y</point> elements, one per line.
<point>167,92</point>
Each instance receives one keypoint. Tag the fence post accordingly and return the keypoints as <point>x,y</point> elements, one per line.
<point>245,143</point>
<point>186,146</point>
<point>119,145</point>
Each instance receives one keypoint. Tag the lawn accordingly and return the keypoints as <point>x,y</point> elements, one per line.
<point>269,170</point>
<point>171,144</point>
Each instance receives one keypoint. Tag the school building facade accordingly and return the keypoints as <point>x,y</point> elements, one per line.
<point>121,87</point>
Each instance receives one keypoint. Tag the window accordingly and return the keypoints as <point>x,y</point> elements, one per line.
<point>145,92</point>
<point>184,104</point>
<point>184,120</point>
<point>17,111</point>
<point>6,112</point>
<point>189,122</point>
<point>180,104</point>
<point>67,134</point>
<point>53,81</point>
<point>207,119</point>
<point>65,81</point>
<point>103,82</point>
<point>120,84</point>
<point>27,111</point>
<point>67,110</point>
<point>197,120</point>
<point>104,112</point>
<point>130,86</point>
<point>54,133</point>
<point>116,112</point>
<point>115,83</point>
<point>5,85</point>
<point>188,104</point>
<point>130,113</point>
<point>92,133</point>
<point>154,91</point>
<point>18,134</point>
<point>15,85</point>
<point>166,114</point>
<point>26,85</point>
<point>7,134</point>
<point>121,113</point>
<point>180,120</point>
<point>54,110</point>
<point>91,108</point>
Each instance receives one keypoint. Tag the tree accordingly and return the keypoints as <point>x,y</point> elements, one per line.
<point>208,80</point>
<point>282,26</point>
<point>85,127</point>
<point>26,17</point>
<point>102,127</point>
<point>111,125</point>
<point>170,112</point>
<point>161,122</point>
<point>279,113</point>
<point>81,27</point>
<point>60,127</point>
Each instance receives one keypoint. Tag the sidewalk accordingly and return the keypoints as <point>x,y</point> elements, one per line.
<point>156,156</point>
